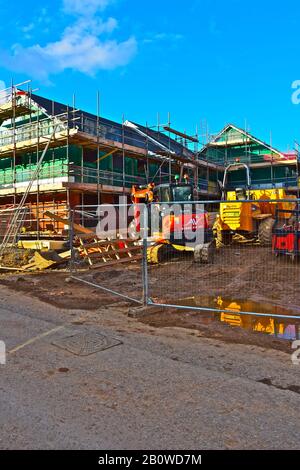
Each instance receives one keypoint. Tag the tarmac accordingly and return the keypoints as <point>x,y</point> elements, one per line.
<point>159,388</point>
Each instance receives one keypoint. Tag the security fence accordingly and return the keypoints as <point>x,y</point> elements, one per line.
<point>237,259</point>
<point>227,257</point>
<point>103,254</point>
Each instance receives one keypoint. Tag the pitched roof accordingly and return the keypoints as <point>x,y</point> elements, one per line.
<point>247,135</point>
<point>113,130</point>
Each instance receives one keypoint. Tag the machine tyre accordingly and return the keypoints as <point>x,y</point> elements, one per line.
<point>204,253</point>
<point>265,231</point>
<point>223,238</point>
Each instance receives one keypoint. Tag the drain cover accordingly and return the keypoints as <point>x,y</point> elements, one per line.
<point>84,344</point>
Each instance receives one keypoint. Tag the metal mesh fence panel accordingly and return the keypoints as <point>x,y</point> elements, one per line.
<point>230,258</point>
<point>104,255</point>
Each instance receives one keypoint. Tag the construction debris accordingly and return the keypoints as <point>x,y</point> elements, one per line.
<point>46,259</point>
<point>16,259</point>
<point>99,253</point>
<point>91,250</point>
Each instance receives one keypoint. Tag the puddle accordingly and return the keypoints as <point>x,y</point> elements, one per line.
<point>282,328</point>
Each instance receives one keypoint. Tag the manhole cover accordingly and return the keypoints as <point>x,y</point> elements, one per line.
<point>84,344</point>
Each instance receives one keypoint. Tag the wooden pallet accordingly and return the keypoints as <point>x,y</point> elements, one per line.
<point>108,252</point>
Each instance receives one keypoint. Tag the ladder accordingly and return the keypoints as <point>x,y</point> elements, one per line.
<point>19,213</point>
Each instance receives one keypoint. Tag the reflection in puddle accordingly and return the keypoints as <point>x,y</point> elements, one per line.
<point>229,313</point>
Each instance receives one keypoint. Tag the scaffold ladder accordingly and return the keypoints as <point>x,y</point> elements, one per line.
<point>17,220</point>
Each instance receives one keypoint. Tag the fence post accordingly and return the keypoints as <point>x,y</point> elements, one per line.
<point>71,235</point>
<point>144,258</point>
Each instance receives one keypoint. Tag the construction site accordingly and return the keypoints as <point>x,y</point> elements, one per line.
<point>59,164</point>
<point>149,232</point>
<point>144,255</point>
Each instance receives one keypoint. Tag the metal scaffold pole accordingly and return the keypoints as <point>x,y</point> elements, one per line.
<point>123,156</point>
<point>17,218</point>
<point>98,149</point>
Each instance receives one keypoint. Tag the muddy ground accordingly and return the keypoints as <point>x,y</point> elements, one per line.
<point>239,274</point>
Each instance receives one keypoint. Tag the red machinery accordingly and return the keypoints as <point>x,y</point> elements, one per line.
<point>173,231</point>
<point>286,239</point>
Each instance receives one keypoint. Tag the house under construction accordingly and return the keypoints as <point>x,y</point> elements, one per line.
<point>54,157</point>
<point>86,159</point>
<point>269,167</point>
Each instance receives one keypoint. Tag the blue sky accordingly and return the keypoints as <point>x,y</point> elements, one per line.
<point>201,60</point>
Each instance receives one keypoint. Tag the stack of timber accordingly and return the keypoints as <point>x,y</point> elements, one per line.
<point>100,252</point>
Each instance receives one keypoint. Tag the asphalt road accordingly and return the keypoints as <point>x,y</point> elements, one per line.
<point>159,389</point>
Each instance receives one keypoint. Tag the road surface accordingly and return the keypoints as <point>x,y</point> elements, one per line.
<point>159,389</point>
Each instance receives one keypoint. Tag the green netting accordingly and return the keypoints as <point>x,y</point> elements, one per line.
<point>106,163</point>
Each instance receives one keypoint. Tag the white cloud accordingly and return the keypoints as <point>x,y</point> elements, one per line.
<point>85,45</point>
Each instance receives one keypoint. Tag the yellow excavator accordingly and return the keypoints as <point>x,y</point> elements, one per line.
<point>243,221</point>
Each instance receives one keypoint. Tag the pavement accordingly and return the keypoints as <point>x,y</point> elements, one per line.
<point>165,388</point>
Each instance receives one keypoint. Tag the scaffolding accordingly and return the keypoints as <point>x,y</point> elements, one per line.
<point>28,127</point>
<point>270,167</point>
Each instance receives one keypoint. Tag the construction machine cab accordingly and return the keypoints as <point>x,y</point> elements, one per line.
<point>162,193</point>
<point>172,192</point>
